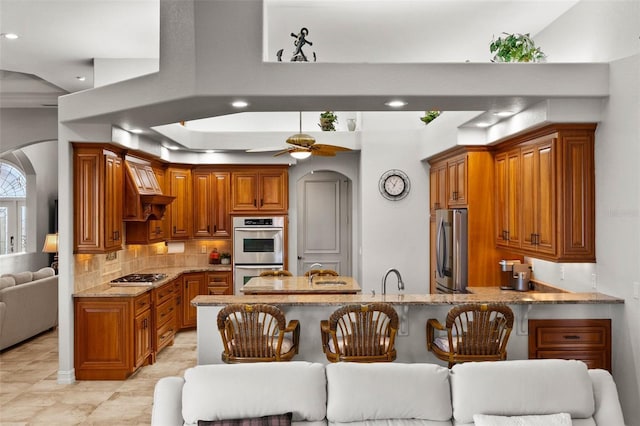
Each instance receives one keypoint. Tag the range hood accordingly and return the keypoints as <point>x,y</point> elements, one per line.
<point>143,197</point>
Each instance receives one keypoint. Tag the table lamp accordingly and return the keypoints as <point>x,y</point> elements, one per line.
<point>51,246</point>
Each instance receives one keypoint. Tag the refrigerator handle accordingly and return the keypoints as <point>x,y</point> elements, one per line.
<point>441,251</point>
<point>456,249</point>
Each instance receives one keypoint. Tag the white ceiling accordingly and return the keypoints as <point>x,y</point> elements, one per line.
<point>60,39</point>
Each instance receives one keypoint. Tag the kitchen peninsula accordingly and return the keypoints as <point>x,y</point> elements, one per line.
<point>413,309</point>
<point>301,285</point>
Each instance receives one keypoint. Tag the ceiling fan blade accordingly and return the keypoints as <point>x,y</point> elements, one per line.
<point>329,148</point>
<point>266,149</point>
<point>284,151</point>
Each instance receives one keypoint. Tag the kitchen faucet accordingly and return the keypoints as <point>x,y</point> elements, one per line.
<point>384,280</point>
<point>315,265</point>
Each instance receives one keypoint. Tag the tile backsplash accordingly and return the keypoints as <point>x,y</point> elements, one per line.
<point>95,269</point>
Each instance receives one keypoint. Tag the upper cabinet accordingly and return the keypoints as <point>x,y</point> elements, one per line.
<point>545,193</point>
<point>98,188</point>
<point>211,204</point>
<point>181,210</point>
<point>260,190</point>
<point>153,230</point>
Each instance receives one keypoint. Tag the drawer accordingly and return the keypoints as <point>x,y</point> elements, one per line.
<point>165,333</point>
<point>142,303</point>
<point>570,337</point>
<point>218,290</point>
<point>164,293</point>
<point>165,312</point>
<point>593,359</point>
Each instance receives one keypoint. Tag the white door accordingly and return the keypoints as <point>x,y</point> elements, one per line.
<point>324,225</point>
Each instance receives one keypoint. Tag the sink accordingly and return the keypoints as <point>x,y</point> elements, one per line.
<point>330,282</point>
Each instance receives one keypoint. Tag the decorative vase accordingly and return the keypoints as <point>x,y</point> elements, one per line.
<point>225,261</point>
<point>351,124</point>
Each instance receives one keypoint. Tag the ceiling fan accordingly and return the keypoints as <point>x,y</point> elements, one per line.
<point>304,145</point>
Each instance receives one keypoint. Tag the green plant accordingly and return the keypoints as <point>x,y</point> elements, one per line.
<point>515,48</point>
<point>327,120</point>
<point>429,116</point>
<point>225,255</point>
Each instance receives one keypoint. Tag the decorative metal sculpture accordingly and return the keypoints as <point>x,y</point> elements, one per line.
<point>298,54</point>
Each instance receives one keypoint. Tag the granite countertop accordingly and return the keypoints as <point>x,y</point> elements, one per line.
<point>300,285</point>
<point>107,290</point>
<point>494,296</point>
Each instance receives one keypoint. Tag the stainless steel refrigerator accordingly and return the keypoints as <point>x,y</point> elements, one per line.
<point>451,251</point>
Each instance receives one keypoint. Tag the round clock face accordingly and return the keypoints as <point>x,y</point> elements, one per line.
<point>394,185</point>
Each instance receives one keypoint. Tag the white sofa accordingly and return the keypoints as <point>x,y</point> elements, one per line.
<point>28,305</point>
<point>390,393</point>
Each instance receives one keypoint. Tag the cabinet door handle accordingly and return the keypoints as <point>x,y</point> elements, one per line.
<point>261,202</point>
<point>215,228</point>
<point>208,229</point>
<point>174,229</point>
<point>572,337</point>
<point>116,235</point>
<point>255,203</point>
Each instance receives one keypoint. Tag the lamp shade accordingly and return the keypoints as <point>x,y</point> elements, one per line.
<point>50,243</point>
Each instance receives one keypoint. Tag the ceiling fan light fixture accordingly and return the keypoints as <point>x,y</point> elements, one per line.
<point>300,155</point>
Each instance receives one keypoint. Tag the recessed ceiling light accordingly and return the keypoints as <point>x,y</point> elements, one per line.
<point>503,113</point>
<point>80,78</point>
<point>395,104</point>
<point>483,124</point>
<point>138,131</point>
<point>239,104</point>
<point>9,36</point>
<point>172,148</point>
<point>210,151</point>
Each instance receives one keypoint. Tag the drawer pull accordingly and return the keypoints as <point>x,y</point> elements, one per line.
<point>572,337</point>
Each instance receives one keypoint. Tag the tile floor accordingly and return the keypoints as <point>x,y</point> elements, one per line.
<point>30,394</point>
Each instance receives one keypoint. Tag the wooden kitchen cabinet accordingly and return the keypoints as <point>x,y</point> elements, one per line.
<point>508,189</point>
<point>587,340</point>
<point>545,193</point>
<point>181,210</point>
<point>193,284</point>
<point>211,192</point>
<point>113,336</point>
<point>463,177</point>
<point>219,283</point>
<point>97,190</point>
<point>457,181</point>
<point>437,188</point>
<point>260,190</point>
<point>152,230</point>
<point>165,310</point>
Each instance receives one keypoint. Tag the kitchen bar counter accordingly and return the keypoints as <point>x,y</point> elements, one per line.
<point>300,285</point>
<point>107,290</point>
<point>494,295</point>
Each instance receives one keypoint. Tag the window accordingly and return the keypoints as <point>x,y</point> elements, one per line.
<point>13,195</point>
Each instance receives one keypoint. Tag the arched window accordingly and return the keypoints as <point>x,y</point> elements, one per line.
<point>13,194</point>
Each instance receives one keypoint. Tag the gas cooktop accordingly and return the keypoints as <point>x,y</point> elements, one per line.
<point>137,279</point>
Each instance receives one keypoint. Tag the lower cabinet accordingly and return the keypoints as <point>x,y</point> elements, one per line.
<point>587,340</point>
<point>113,336</point>
<point>219,283</point>
<point>165,309</point>
<point>193,285</point>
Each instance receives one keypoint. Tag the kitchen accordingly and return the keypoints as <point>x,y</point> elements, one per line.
<point>408,217</point>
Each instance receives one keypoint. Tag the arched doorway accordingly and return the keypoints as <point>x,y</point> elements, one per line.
<point>323,223</point>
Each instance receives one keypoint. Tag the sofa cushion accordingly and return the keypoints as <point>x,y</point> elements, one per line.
<point>7,282</point>
<point>233,391</point>
<point>43,273</point>
<point>523,387</point>
<point>378,391</point>
<point>20,277</point>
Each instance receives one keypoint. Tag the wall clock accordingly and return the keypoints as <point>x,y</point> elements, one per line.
<point>394,184</point>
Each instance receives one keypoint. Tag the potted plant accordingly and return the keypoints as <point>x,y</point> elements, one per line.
<point>225,258</point>
<point>429,116</point>
<point>515,48</point>
<point>327,120</point>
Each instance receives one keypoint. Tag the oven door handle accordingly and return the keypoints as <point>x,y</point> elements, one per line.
<point>258,229</point>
